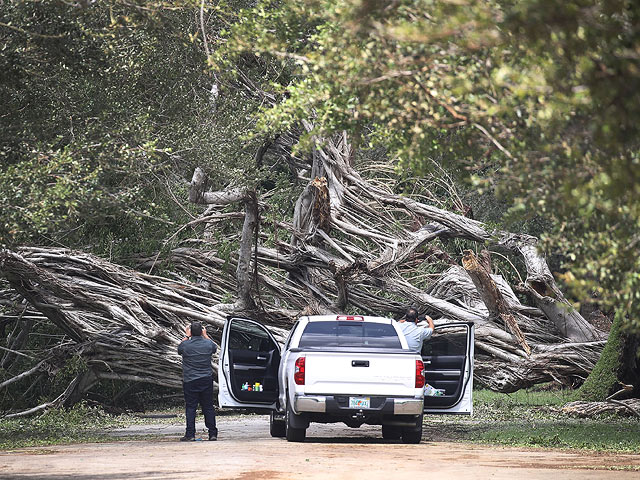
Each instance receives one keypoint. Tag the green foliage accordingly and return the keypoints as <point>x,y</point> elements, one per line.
<point>73,367</point>
<point>23,393</point>
<point>350,66</point>
<point>82,423</point>
<point>604,376</point>
<point>54,182</point>
<point>106,111</point>
<point>226,248</point>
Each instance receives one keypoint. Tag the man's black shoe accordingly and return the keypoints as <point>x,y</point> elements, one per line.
<point>188,439</point>
<point>213,437</point>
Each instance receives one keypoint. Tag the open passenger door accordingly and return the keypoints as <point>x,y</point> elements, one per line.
<point>248,365</point>
<point>448,368</point>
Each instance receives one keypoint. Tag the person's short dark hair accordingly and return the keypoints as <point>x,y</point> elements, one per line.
<point>196,329</point>
<point>411,315</point>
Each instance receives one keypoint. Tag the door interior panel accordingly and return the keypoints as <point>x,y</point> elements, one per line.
<point>445,358</point>
<point>253,359</point>
<point>445,362</point>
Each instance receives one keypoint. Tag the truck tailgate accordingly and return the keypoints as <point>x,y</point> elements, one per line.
<point>360,374</point>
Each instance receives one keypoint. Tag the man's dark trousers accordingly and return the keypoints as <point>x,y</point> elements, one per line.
<point>199,391</point>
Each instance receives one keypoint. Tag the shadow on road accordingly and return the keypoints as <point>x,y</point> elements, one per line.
<point>359,440</point>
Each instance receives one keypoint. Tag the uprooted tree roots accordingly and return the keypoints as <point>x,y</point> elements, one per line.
<point>351,243</point>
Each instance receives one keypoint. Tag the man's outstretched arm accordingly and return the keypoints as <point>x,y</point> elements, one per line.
<point>430,322</point>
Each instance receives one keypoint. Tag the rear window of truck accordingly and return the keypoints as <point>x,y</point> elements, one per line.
<point>349,334</point>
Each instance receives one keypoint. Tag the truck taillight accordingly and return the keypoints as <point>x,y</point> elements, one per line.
<point>298,375</point>
<point>419,373</point>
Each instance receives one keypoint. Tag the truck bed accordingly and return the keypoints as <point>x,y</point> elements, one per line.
<point>342,371</point>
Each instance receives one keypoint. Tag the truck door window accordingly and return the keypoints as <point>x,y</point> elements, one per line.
<point>446,341</point>
<point>249,336</point>
<point>290,336</point>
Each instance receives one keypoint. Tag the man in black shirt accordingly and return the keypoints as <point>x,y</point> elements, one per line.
<point>197,375</point>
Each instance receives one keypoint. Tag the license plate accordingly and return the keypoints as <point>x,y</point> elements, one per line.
<point>359,402</point>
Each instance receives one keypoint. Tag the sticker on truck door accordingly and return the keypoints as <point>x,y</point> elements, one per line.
<point>359,402</point>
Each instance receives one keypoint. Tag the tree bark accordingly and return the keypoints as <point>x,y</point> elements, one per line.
<point>492,297</point>
<point>244,275</point>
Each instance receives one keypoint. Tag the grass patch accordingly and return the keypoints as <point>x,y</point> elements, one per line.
<point>522,398</point>
<point>575,435</point>
<point>530,418</point>
<point>82,423</point>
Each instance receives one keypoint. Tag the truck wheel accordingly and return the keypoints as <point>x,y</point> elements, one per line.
<point>413,434</point>
<point>391,432</point>
<point>277,425</point>
<point>293,434</point>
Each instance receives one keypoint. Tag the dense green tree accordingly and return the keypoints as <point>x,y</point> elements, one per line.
<point>106,110</point>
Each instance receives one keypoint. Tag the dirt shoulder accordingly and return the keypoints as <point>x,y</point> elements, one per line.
<point>246,450</point>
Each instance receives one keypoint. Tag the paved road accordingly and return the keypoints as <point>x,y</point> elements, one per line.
<point>246,451</point>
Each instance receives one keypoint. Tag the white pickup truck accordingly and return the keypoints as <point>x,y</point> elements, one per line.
<point>345,368</point>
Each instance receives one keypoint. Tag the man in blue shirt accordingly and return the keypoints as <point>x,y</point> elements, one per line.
<point>414,334</point>
<point>197,376</point>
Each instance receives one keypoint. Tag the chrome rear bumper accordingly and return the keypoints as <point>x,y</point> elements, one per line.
<point>324,403</point>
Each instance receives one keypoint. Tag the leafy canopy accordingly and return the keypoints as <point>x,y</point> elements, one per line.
<point>107,109</point>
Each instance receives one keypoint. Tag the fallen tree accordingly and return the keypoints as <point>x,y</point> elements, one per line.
<point>350,243</point>
<point>629,406</point>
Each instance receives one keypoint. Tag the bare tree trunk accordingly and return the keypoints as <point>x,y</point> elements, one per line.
<point>244,278</point>
<point>546,294</point>
<point>244,275</point>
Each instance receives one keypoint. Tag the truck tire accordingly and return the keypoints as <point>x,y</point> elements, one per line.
<point>391,432</point>
<point>293,434</point>
<point>277,426</point>
<point>413,434</point>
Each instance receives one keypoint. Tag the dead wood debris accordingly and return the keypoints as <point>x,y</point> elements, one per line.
<point>357,248</point>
